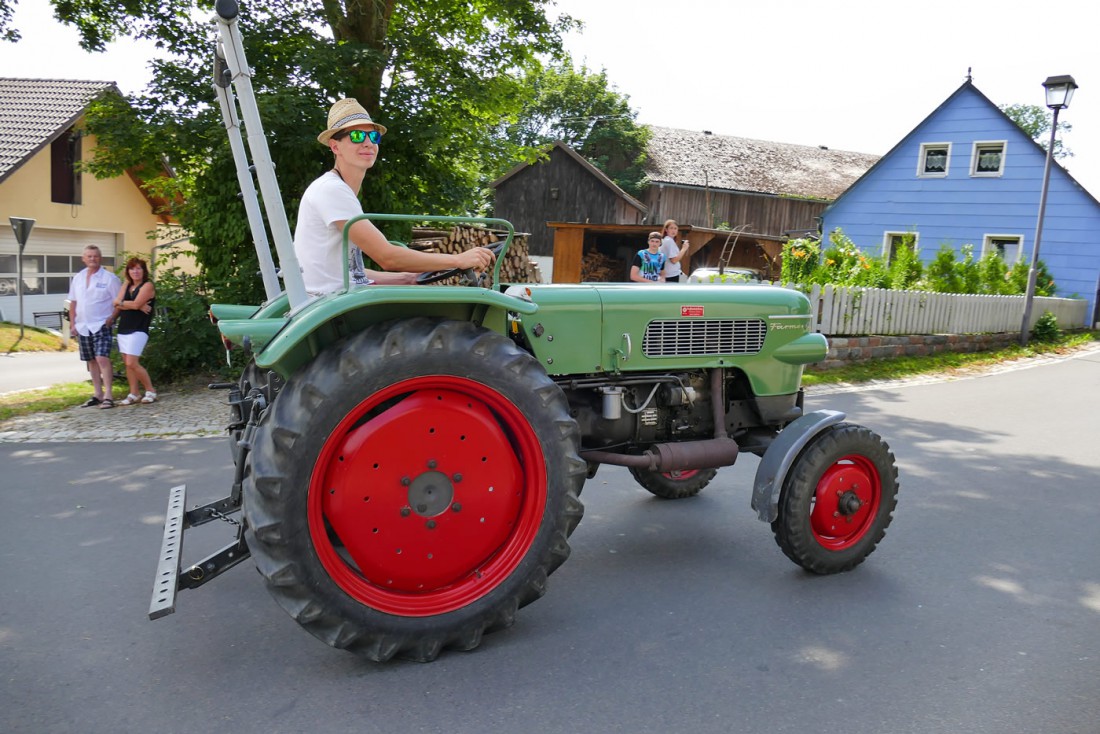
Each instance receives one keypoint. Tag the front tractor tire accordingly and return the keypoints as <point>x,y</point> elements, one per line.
<point>673,485</point>
<point>412,487</point>
<point>838,499</point>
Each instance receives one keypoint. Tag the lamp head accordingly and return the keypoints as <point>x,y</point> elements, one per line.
<point>1059,91</point>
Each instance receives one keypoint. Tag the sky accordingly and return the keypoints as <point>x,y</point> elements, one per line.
<point>854,75</point>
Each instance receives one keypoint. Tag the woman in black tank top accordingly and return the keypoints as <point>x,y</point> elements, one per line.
<point>134,312</point>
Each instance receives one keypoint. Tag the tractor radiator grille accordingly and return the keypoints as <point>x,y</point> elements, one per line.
<point>678,338</point>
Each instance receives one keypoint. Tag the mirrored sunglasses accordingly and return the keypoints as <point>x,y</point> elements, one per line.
<point>358,136</point>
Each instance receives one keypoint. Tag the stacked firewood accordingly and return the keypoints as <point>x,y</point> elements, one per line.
<point>517,266</point>
<point>597,267</point>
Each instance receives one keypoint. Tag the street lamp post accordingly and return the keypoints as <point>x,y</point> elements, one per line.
<point>1059,92</point>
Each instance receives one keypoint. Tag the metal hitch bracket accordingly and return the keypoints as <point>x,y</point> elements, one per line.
<point>169,579</point>
<point>166,582</point>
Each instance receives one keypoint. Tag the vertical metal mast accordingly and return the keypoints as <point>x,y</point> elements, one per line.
<point>227,11</point>
<point>227,101</point>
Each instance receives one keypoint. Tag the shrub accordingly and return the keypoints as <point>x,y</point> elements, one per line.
<point>1046,328</point>
<point>800,261</point>
<point>993,275</point>
<point>970,277</point>
<point>1017,278</point>
<point>942,276</point>
<point>845,264</point>
<point>905,268</point>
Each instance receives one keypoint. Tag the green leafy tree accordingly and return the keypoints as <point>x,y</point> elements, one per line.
<point>582,109</point>
<point>440,74</point>
<point>7,32</point>
<point>1036,121</point>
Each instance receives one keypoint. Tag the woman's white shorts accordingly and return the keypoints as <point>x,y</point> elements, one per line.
<point>133,344</point>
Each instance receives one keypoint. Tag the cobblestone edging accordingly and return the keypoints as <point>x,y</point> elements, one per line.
<point>848,350</point>
<point>175,415</point>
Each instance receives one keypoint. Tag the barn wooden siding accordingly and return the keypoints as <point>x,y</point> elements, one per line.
<point>559,190</point>
<point>769,215</point>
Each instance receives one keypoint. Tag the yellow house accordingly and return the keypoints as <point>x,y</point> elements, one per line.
<point>41,142</point>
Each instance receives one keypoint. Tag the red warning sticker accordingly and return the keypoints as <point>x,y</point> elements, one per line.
<point>691,310</point>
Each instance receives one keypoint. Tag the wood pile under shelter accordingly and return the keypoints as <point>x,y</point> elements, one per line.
<point>517,266</point>
<point>597,267</point>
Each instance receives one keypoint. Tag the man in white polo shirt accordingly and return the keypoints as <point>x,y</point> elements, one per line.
<point>91,313</point>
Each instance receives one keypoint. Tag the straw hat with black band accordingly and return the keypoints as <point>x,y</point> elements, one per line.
<point>347,113</point>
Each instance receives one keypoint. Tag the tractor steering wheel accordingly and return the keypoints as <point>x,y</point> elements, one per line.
<point>469,276</point>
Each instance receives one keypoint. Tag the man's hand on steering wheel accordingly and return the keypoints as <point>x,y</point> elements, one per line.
<point>476,258</point>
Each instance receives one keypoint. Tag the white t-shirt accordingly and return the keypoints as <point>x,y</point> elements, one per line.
<point>94,298</point>
<point>670,249</point>
<point>318,242</point>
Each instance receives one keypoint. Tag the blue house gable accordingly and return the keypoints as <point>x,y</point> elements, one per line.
<point>967,174</point>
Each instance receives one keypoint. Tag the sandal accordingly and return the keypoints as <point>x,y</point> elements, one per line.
<point>91,402</point>
<point>107,403</point>
<point>130,399</point>
<point>150,397</point>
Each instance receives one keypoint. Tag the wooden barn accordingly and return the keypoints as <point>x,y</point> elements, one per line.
<point>563,187</point>
<point>712,185</point>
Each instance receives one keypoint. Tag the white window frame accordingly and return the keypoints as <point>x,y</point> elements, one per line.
<point>975,154</point>
<point>924,150</point>
<point>987,245</point>
<point>888,242</point>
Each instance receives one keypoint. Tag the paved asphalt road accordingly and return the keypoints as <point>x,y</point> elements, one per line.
<point>26,370</point>
<point>979,613</point>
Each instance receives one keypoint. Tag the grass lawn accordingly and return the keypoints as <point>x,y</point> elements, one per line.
<point>33,339</point>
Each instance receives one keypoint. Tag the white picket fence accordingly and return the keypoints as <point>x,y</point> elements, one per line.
<point>857,311</point>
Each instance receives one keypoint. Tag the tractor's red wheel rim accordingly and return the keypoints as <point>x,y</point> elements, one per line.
<point>680,475</point>
<point>427,496</point>
<point>846,502</point>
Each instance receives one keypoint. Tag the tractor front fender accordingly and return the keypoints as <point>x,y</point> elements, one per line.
<point>781,454</point>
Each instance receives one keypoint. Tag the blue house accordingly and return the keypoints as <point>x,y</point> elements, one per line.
<point>967,174</point>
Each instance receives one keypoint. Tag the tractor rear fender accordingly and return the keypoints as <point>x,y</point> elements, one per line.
<point>781,454</point>
<point>284,345</point>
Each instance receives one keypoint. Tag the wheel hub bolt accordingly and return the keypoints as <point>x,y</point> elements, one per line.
<point>406,511</point>
<point>456,507</point>
<point>431,463</point>
<point>430,524</point>
<point>457,477</point>
<point>849,503</point>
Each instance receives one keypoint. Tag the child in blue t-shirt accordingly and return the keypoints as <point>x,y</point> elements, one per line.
<point>649,265</point>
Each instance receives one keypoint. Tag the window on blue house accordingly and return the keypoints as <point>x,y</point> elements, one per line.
<point>1005,246</point>
<point>988,159</point>
<point>894,241</point>
<point>934,158</point>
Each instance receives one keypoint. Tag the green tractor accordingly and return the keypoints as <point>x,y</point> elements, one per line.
<point>409,460</point>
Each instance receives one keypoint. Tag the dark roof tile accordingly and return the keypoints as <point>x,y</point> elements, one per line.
<point>694,158</point>
<point>33,112</point>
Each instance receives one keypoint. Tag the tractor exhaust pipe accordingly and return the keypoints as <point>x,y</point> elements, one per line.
<point>707,454</point>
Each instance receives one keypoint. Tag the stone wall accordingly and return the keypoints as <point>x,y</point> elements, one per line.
<point>847,350</point>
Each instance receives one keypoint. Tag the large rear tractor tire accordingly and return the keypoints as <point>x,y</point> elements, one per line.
<point>838,499</point>
<point>412,487</point>
<point>674,485</point>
